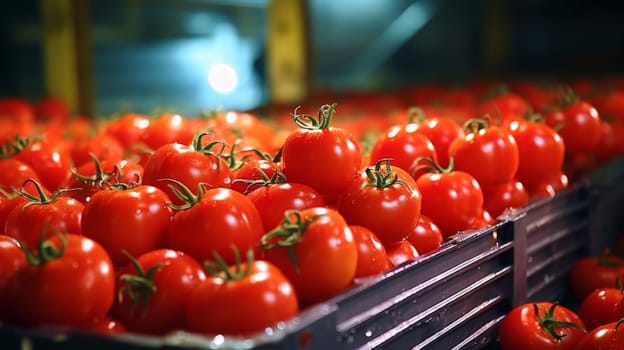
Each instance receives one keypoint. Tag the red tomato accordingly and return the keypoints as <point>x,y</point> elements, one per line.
<point>382,200</point>
<point>241,300</point>
<point>548,186</point>
<point>44,216</point>
<point>372,257</point>
<point>451,198</point>
<point>70,282</point>
<point>17,110</point>
<point>191,165</point>
<point>128,128</point>
<point>504,196</point>
<point>212,222</point>
<point>250,175</point>
<point>504,104</point>
<point>426,236</point>
<point>592,272</point>
<point>12,259</point>
<point>8,204</point>
<point>51,109</point>
<point>609,336</point>
<point>236,126</point>
<point>153,291</point>
<point>166,129</point>
<point>402,144</point>
<point>48,158</point>
<point>401,252</point>
<point>102,146</point>
<point>600,307</point>
<point>489,153</point>
<point>105,325</point>
<point>320,156</point>
<point>303,237</point>
<point>541,326</point>
<point>578,123</point>
<point>274,199</point>
<point>441,131</point>
<point>14,173</point>
<point>541,151</point>
<point>133,219</point>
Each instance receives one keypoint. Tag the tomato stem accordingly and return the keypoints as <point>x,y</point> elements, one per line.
<point>550,324</point>
<point>139,287</point>
<point>184,193</point>
<point>383,178</point>
<point>415,115</point>
<point>308,122</point>
<point>220,269</point>
<point>46,250</point>
<point>278,177</point>
<point>432,166</point>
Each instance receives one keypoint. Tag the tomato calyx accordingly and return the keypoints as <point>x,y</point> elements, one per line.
<point>278,177</point>
<point>41,197</point>
<point>608,260</point>
<point>19,144</point>
<point>140,287</point>
<point>198,144</point>
<point>308,122</point>
<point>550,324</point>
<point>235,161</point>
<point>415,115</point>
<point>385,177</point>
<point>185,194</point>
<point>99,177</point>
<point>432,166</point>
<point>46,250</point>
<point>220,269</point>
<point>289,233</point>
<point>474,125</point>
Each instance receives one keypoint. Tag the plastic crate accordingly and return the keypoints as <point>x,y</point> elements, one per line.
<point>453,298</point>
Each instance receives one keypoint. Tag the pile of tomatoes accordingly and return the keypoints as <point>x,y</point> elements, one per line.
<point>164,223</point>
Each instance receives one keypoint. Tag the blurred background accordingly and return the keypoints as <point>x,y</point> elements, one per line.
<point>187,56</point>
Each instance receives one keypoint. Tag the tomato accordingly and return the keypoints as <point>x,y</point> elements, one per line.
<point>541,151</point>
<point>43,216</point>
<point>273,200</point>
<point>17,110</point>
<point>166,129</point>
<point>320,156</point>
<point>13,176</point>
<point>426,236</point>
<point>507,195</point>
<point>153,291</point>
<point>453,199</point>
<point>502,103</point>
<point>6,205</point>
<point>539,326</point>
<point>252,173</point>
<point>49,158</point>
<point>578,123</point>
<point>593,272</point>
<point>190,164</point>
<point>608,336</point>
<point>382,200</point>
<point>489,153</point>
<point>441,131</point>
<point>548,186</point>
<point>105,325</point>
<point>619,309</point>
<point>242,299</point>
<point>213,221</point>
<point>401,252</point>
<point>372,258</point>
<point>402,144</point>
<point>102,146</point>
<point>237,126</point>
<point>600,306</point>
<point>131,219</point>
<point>303,237</point>
<point>69,281</point>
<point>12,259</point>
<point>128,128</point>
<point>51,109</point>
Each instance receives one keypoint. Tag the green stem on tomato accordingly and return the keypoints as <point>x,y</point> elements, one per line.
<point>139,287</point>
<point>220,269</point>
<point>550,324</point>
<point>184,193</point>
<point>308,122</point>
<point>385,177</point>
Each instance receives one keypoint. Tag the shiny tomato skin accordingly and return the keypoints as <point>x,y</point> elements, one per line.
<point>520,329</point>
<point>29,222</point>
<point>221,219</point>
<point>578,124</point>
<point>402,144</point>
<point>426,236</point>
<point>504,196</point>
<point>600,307</point>
<point>372,257</point>
<point>592,272</point>
<point>608,336</point>
<point>72,290</point>
<point>251,171</point>
<point>326,159</point>
<point>441,131</point>
<point>328,236</point>
<point>101,145</point>
<point>128,128</point>
<point>273,200</point>
<point>12,259</point>
<point>390,212</point>
<point>105,325</point>
<point>489,154</point>
<point>186,165</point>
<point>164,310</point>
<point>134,220</point>
<point>51,161</point>
<point>454,201</point>
<point>14,172</point>
<point>16,109</point>
<point>168,128</point>
<point>242,307</point>
<point>401,252</point>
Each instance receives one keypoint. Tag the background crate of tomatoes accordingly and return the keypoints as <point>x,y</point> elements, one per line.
<point>454,297</point>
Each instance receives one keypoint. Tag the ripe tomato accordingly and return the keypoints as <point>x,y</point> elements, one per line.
<point>251,174</point>
<point>401,252</point>
<point>237,126</point>
<point>102,146</point>
<point>17,110</point>
<point>593,272</point>
<point>541,326</point>
<point>503,196</point>
<point>320,156</point>
<point>128,128</point>
<point>153,291</point>
<point>426,236</point>
<point>274,199</point>
<point>453,199</point>
<point>43,216</point>
<point>504,104</point>
<point>69,281</point>
<point>190,164</point>
<point>304,236</point>
<point>600,306</point>
<point>50,159</point>
<point>105,325</point>
<point>372,257</point>
<point>578,123</point>
<point>131,219</point>
<point>489,153</point>
<point>441,131</point>
<point>607,336</point>
<point>13,176</point>
<point>242,299</point>
<point>212,222</point>
<point>168,128</point>
<point>51,109</point>
<point>12,259</point>
<point>382,200</point>
<point>548,186</point>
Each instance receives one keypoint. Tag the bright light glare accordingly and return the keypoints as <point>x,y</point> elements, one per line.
<point>222,78</point>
